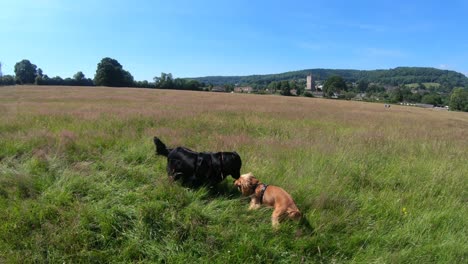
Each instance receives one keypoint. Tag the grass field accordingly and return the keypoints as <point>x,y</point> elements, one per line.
<point>79,181</point>
<point>427,85</point>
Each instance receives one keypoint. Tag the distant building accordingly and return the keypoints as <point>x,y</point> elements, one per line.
<point>360,96</point>
<point>244,89</point>
<point>218,89</point>
<point>310,82</point>
<point>424,105</point>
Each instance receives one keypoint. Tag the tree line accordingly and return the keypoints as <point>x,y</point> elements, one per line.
<point>395,77</point>
<point>109,72</point>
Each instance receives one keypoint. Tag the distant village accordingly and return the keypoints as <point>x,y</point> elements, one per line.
<point>315,89</point>
<point>311,86</point>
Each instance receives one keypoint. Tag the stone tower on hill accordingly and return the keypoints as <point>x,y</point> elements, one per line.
<point>310,82</point>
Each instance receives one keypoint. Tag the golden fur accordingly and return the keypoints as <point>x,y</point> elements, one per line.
<point>274,196</point>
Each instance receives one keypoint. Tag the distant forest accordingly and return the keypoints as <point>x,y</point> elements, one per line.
<point>395,77</point>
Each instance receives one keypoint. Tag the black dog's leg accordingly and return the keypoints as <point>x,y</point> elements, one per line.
<point>192,181</point>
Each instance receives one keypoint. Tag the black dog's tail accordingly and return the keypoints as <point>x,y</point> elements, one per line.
<point>161,149</point>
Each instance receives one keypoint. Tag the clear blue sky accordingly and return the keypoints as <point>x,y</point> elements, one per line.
<point>190,38</point>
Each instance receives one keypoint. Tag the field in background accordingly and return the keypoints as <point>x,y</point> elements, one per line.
<point>79,181</point>
<point>427,85</point>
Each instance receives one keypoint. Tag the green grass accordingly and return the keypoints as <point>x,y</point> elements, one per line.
<point>79,186</point>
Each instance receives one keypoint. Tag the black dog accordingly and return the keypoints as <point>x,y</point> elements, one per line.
<point>199,168</point>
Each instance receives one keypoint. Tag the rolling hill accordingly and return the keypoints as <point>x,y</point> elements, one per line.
<point>396,76</point>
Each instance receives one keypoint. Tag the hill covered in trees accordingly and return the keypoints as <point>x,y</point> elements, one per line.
<point>395,77</point>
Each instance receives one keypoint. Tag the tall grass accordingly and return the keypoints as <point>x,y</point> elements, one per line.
<point>79,181</point>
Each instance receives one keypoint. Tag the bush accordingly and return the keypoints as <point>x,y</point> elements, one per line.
<point>459,100</point>
<point>7,80</point>
<point>349,95</point>
<point>433,99</point>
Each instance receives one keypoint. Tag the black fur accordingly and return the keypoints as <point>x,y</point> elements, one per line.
<point>195,169</point>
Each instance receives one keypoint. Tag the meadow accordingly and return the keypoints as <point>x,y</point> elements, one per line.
<point>80,183</point>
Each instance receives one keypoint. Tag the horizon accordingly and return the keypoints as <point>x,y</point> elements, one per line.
<point>220,38</point>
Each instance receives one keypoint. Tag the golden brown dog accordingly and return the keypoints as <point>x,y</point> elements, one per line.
<point>268,195</point>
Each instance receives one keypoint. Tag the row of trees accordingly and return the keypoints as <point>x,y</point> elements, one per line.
<point>166,81</point>
<point>286,87</point>
<point>77,80</point>
<point>109,72</point>
<point>7,80</point>
<point>28,73</point>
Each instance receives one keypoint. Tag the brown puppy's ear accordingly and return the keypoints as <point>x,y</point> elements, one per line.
<point>253,181</point>
<point>236,182</point>
<point>242,185</point>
